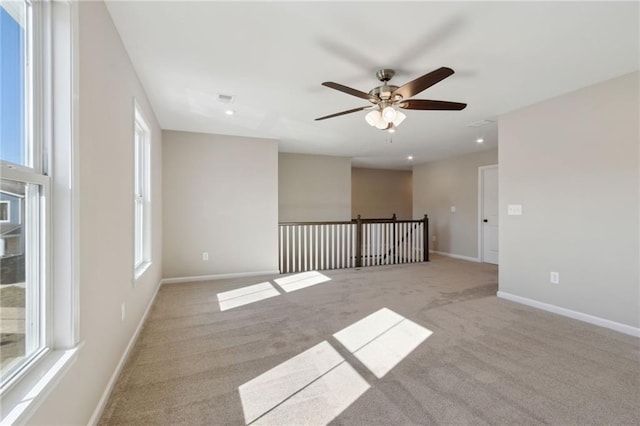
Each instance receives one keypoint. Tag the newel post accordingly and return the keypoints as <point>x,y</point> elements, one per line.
<point>358,242</point>
<point>425,238</point>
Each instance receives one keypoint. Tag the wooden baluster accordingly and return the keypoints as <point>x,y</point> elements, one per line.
<point>425,236</point>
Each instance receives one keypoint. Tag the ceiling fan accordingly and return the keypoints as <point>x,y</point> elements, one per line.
<point>385,97</point>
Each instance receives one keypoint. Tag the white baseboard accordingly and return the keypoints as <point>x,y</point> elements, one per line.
<point>455,256</point>
<point>217,277</point>
<point>95,417</point>
<point>622,328</point>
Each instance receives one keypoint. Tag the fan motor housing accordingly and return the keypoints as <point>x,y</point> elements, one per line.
<point>383,92</point>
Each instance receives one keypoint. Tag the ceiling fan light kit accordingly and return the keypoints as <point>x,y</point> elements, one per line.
<point>385,97</point>
<point>382,120</point>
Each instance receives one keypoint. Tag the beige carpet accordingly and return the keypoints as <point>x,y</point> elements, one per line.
<point>277,361</point>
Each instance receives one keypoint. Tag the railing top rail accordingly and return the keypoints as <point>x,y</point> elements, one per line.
<point>353,222</point>
<point>394,221</point>
<point>374,219</point>
<point>317,223</point>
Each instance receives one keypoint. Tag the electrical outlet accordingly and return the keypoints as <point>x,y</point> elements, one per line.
<point>205,255</point>
<point>453,209</point>
<point>123,311</point>
<point>433,238</point>
<point>555,278</point>
<point>514,210</point>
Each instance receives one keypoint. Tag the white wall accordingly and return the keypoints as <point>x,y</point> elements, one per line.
<point>572,162</point>
<point>378,193</point>
<point>314,188</point>
<point>108,85</point>
<point>439,185</point>
<point>220,197</point>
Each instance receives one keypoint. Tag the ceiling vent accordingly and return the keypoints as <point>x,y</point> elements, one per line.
<point>480,123</point>
<point>225,99</point>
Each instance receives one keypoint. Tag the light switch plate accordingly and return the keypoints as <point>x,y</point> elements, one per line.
<point>555,278</point>
<point>453,209</point>
<point>514,209</point>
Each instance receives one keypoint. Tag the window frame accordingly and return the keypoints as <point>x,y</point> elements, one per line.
<point>142,192</point>
<point>54,70</point>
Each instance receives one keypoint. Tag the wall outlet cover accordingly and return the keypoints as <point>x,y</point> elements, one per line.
<point>514,209</point>
<point>555,278</point>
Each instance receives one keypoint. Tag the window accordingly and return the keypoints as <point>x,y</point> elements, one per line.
<point>24,187</point>
<point>142,214</point>
<point>38,287</point>
<point>5,211</point>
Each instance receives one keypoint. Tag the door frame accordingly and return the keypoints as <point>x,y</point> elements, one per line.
<point>481,169</point>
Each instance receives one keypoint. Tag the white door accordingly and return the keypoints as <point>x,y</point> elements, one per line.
<point>489,214</point>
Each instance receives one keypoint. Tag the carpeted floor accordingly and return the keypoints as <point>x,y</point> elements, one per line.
<point>478,359</point>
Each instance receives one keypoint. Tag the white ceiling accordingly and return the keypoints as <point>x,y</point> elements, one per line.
<point>273,56</point>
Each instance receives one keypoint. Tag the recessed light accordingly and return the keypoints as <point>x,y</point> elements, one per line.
<point>229,112</point>
<point>410,157</point>
<point>479,140</point>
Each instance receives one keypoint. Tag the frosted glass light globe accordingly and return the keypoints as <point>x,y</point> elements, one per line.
<point>389,114</point>
<point>373,117</point>
<point>400,116</point>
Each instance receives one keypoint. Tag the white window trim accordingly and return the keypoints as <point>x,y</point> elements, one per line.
<point>143,265</point>
<point>8,204</point>
<point>21,396</point>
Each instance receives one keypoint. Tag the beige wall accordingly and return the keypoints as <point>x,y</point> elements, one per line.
<point>439,185</point>
<point>314,188</point>
<point>220,197</point>
<point>572,162</point>
<point>377,193</point>
<point>108,85</point>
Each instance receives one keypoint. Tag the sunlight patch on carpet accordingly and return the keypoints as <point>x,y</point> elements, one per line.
<point>246,295</point>
<point>302,280</point>
<point>381,340</point>
<point>313,387</point>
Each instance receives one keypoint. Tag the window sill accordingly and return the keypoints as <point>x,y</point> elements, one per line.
<point>23,397</point>
<point>140,270</point>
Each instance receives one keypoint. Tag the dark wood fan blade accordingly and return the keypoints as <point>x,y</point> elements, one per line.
<point>432,105</point>
<point>349,91</point>
<point>416,86</point>
<point>341,113</point>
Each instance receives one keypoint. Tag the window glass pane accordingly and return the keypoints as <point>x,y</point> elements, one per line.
<point>137,159</point>
<point>13,82</point>
<point>19,276</point>
<point>138,233</point>
<point>5,211</point>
